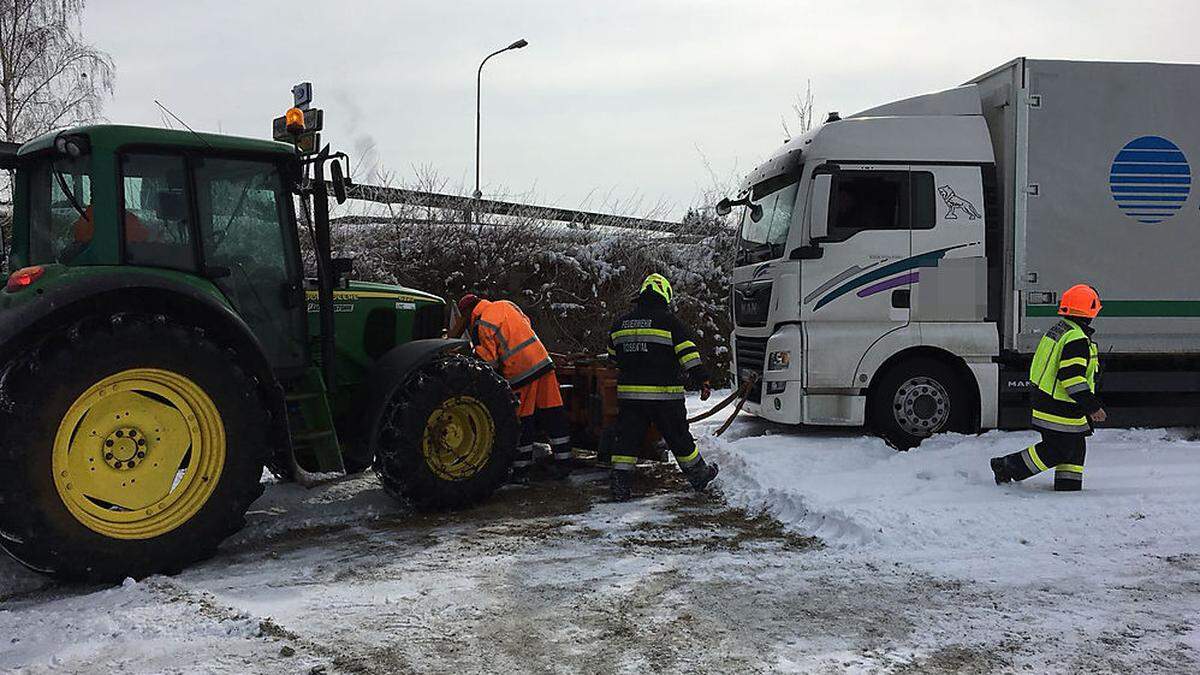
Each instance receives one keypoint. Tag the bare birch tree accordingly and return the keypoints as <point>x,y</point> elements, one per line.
<point>802,108</point>
<point>49,76</point>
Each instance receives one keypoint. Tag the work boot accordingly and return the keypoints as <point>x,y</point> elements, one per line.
<point>1000,470</point>
<point>559,469</point>
<point>620,484</point>
<point>521,475</point>
<point>701,474</point>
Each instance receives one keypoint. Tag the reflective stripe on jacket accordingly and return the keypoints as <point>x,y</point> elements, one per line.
<point>1064,372</point>
<point>504,337</point>
<point>654,352</point>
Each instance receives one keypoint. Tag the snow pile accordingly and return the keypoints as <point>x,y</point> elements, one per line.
<point>937,506</point>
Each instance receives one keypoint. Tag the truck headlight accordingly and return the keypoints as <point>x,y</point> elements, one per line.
<point>777,387</point>
<point>779,360</point>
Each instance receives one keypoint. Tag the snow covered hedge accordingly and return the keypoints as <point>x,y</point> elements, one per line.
<point>571,282</point>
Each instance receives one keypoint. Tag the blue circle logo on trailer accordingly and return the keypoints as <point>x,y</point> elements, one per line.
<point>1150,179</point>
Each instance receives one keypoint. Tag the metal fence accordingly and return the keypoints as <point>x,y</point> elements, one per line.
<point>467,207</point>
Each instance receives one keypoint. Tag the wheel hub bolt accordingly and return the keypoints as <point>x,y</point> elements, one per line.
<point>125,448</point>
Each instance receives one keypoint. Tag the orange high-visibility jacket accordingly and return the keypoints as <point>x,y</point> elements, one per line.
<point>504,338</point>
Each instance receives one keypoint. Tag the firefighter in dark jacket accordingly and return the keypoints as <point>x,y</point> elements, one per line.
<point>1064,401</point>
<point>655,353</point>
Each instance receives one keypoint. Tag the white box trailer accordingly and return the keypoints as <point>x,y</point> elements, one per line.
<point>908,258</point>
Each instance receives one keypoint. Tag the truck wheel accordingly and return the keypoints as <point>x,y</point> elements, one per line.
<point>916,399</point>
<point>129,446</point>
<point>449,435</point>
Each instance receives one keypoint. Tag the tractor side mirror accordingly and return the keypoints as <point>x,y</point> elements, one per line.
<point>339,181</point>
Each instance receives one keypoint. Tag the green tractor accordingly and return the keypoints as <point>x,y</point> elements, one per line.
<point>160,345</point>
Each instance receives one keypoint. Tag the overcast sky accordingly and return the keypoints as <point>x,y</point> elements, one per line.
<point>612,101</point>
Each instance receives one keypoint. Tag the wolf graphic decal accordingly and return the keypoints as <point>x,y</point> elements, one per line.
<point>955,204</point>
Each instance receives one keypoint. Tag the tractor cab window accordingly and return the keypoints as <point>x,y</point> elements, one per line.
<point>60,199</point>
<point>250,250</point>
<point>157,224</point>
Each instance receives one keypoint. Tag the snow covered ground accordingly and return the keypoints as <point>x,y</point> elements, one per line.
<point>821,552</point>
<point>1106,579</point>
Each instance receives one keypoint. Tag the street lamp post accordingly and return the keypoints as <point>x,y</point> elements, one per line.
<point>478,89</point>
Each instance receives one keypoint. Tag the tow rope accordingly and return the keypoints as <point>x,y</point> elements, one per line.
<point>740,395</point>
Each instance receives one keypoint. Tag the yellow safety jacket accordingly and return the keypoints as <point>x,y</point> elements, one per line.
<point>1064,372</point>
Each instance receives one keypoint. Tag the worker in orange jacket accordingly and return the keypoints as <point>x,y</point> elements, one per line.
<point>504,337</point>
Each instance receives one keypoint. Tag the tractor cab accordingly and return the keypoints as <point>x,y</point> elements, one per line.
<point>128,200</point>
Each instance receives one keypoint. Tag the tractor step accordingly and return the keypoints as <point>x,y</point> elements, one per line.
<point>315,447</point>
<point>310,436</point>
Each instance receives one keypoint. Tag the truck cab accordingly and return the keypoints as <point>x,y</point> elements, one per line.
<point>866,256</point>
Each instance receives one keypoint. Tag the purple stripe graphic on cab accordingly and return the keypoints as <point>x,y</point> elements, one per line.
<point>902,280</point>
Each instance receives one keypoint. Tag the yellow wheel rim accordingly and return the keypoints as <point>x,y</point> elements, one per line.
<point>139,453</point>
<point>458,437</point>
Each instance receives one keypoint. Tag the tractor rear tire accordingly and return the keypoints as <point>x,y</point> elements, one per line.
<point>449,435</point>
<point>129,445</point>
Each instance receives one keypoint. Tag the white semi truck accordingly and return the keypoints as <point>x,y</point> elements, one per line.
<point>897,268</point>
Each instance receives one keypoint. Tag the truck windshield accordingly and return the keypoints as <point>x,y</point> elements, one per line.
<point>60,201</point>
<point>765,239</point>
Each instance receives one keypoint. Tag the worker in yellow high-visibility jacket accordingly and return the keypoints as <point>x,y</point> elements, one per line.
<point>1064,402</point>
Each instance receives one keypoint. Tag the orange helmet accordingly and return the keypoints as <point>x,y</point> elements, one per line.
<point>1080,300</point>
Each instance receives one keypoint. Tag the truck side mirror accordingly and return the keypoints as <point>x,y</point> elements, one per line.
<point>819,212</point>
<point>724,207</point>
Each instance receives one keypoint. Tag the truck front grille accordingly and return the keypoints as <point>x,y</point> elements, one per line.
<point>751,355</point>
<point>751,302</point>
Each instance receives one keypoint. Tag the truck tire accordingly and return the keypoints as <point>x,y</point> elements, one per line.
<point>915,399</point>
<point>449,435</point>
<point>129,445</point>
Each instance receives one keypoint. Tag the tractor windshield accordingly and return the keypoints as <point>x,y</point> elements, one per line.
<point>60,197</point>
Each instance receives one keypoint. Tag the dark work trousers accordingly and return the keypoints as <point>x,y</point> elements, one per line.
<point>1062,451</point>
<point>550,423</point>
<point>668,417</point>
